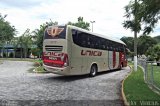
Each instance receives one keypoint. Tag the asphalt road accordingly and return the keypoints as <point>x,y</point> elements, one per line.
<point>19,87</point>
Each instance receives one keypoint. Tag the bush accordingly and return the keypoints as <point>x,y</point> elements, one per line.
<point>38,63</point>
<point>150,58</point>
<point>36,51</point>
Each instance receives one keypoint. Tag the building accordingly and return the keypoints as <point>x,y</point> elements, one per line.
<point>11,51</point>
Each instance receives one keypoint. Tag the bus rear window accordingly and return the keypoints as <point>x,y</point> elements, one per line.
<point>55,32</point>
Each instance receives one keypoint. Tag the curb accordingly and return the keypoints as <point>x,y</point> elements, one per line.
<point>122,89</point>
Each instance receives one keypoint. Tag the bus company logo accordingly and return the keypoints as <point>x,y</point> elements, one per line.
<point>90,53</point>
<point>53,54</point>
<point>54,31</point>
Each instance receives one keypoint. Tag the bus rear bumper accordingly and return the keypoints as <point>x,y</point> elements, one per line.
<point>57,70</point>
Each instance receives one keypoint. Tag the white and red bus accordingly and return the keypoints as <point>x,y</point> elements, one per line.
<point>69,50</point>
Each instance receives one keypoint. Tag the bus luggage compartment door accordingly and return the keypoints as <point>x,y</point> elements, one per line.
<point>110,60</point>
<point>113,60</point>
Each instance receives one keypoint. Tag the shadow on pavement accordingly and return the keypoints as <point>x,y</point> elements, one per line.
<point>78,77</point>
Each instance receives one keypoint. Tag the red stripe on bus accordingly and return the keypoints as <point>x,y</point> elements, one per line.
<point>55,62</point>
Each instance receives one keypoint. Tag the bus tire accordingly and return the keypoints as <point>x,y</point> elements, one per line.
<point>93,70</point>
<point>121,66</point>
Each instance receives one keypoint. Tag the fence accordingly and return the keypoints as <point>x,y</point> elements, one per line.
<point>151,73</point>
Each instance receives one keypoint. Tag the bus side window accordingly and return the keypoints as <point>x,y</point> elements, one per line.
<point>102,44</point>
<point>83,39</point>
<point>110,46</point>
<point>92,42</point>
<point>74,36</point>
<point>88,38</point>
<point>106,44</point>
<point>96,43</point>
<point>121,48</point>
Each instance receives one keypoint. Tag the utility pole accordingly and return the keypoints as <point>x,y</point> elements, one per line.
<point>135,37</point>
<point>92,24</point>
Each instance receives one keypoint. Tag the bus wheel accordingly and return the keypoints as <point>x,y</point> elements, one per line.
<point>121,66</point>
<point>93,71</point>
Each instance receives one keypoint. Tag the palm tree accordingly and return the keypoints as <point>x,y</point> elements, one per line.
<point>25,41</point>
<point>14,42</point>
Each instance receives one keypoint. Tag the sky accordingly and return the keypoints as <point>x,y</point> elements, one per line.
<point>107,14</point>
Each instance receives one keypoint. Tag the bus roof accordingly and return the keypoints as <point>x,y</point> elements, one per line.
<point>99,35</point>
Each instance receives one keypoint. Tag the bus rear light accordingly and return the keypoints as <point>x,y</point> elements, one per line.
<point>65,60</point>
<point>65,64</point>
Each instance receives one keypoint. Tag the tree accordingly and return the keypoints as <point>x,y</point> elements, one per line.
<point>144,42</point>
<point>39,33</point>
<point>38,36</point>
<point>154,53</point>
<point>35,52</point>
<point>157,38</point>
<point>14,42</point>
<point>20,42</point>
<point>129,41</point>
<point>7,32</point>
<point>25,41</point>
<point>132,10</point>
<point>146,13</point>
<point>150,14</point>
<point>81,23</point>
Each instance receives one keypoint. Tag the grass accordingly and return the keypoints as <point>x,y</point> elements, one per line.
<point>137,90</point>
<point>38,62</point>
<point>40,70</point>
